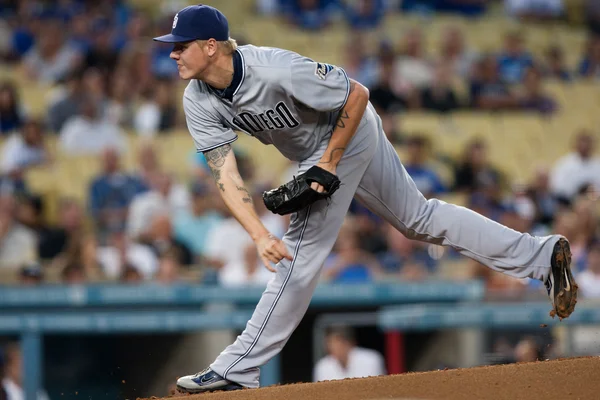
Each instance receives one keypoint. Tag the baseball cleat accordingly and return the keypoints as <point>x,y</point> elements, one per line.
<point>561,286</point>
<point>205,381</point>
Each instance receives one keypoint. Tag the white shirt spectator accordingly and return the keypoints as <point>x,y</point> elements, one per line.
<point>15,392</point>
<point>147,119</point>
<point>541,7</point>
<point>361,363</point>
<point>81,135</point>
<point>228,242</point>
<point>17,247</point>
<point>137,255</point>
<point>145,206</point>
<point>572,172</point>
<point>412,72</point>
<point>49,71</point>
<point>589,283</point>
<point>16,154</point>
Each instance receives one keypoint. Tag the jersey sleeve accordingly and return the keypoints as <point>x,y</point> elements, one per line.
<point>320,86</point>
<point>206,129</point>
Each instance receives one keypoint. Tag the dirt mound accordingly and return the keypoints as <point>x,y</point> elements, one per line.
<point>573,378</point>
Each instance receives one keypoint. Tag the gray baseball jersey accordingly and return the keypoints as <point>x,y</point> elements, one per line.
<point>283,99</point>
<point>292,102</point>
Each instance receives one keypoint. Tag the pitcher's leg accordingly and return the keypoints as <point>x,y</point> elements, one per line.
<point>310,239</point>
<point>388,190</point>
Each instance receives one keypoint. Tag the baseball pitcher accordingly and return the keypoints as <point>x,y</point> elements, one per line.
<point>312,113</point>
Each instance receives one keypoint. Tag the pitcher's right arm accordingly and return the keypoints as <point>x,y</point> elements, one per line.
<point>223,165</point>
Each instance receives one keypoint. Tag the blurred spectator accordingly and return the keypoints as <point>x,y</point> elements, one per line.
<point>454,52</point>
<point>134,63</point>
<point>576,169</point>
<point>148,165</point>
<point>488,91</point>
<point>514,59</point>
<point>157,113</point>
<point>67,103</point>
<point>31,275</point>
<point>392,129</point>
<point>79,261</point>
<point>95,85</point>
<point>427,180</point>
<point>120,252</point>
<point>545,203</point>
<point>358,65</point>
<point>102,55</point>
<point>74,274</point>
<point>53,240</point>
<point>25,150</point>
<point>382,96</point>
<point>119,107</point>
<point>90,132</point>
<point>232,252</point>
<point>345,359</point>
<point>528,350</point>
<point>405,259</point>
<point>51,58</point>
<point>131,275</point>
<point>169,269</point>
<point>18,244</point>
<point>80,35</point>
<point>555,65</point>
<point>309,14</point>
<point>13,374</point>
<point>12,112</point>
<point>364,14</point>
<point>194,226</point>
<point>470,8</point>
<point>440,95</point>
<point>589,279</point>
<point>165,197</point>
<point>413,70</point>
<point>592,13</point>
<point>349,263</point>
<point>534,10</point>
<point>589,67</point>
<point>111,193</point>
<point>533,97</point>
<point>30,213</point>
<point>135,33</point>
<point>474,172</point>
<point>160,238</point>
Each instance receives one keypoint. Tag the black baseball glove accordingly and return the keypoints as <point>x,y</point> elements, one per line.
<point>297,194</point>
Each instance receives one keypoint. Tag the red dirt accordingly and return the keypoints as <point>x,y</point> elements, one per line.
<point>573,378</point>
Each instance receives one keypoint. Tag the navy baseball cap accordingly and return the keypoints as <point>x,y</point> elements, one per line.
<point>197,23</point>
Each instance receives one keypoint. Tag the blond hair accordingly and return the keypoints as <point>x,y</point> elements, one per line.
<point>227,47</point>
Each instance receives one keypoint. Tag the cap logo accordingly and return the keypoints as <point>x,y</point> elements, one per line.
<point>175,20</point>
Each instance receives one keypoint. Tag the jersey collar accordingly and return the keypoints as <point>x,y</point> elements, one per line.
<point>238,77</point>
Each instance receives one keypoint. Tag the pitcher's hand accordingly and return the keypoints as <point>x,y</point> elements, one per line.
<point>271,250</point>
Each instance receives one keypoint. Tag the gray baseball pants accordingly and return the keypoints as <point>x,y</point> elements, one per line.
<point>371,171</point>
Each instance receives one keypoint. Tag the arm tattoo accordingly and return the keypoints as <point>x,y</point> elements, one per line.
<point>247,198</point>
<point>216,159</point>
<point>340,122</point>
<point>342,149</point>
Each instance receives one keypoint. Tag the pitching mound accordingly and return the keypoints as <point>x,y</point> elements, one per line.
<point>574,378</point>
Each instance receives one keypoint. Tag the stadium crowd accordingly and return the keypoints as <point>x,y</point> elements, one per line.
<point>107,79</point>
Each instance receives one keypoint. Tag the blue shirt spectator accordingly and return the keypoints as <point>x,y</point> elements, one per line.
<point>514,60</point>
<point>425,178</point>
<point>111,193</point>
<point>365,14</point>
<point>309,14</point>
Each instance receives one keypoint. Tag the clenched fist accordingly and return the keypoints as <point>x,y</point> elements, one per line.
<point>271,250</point>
